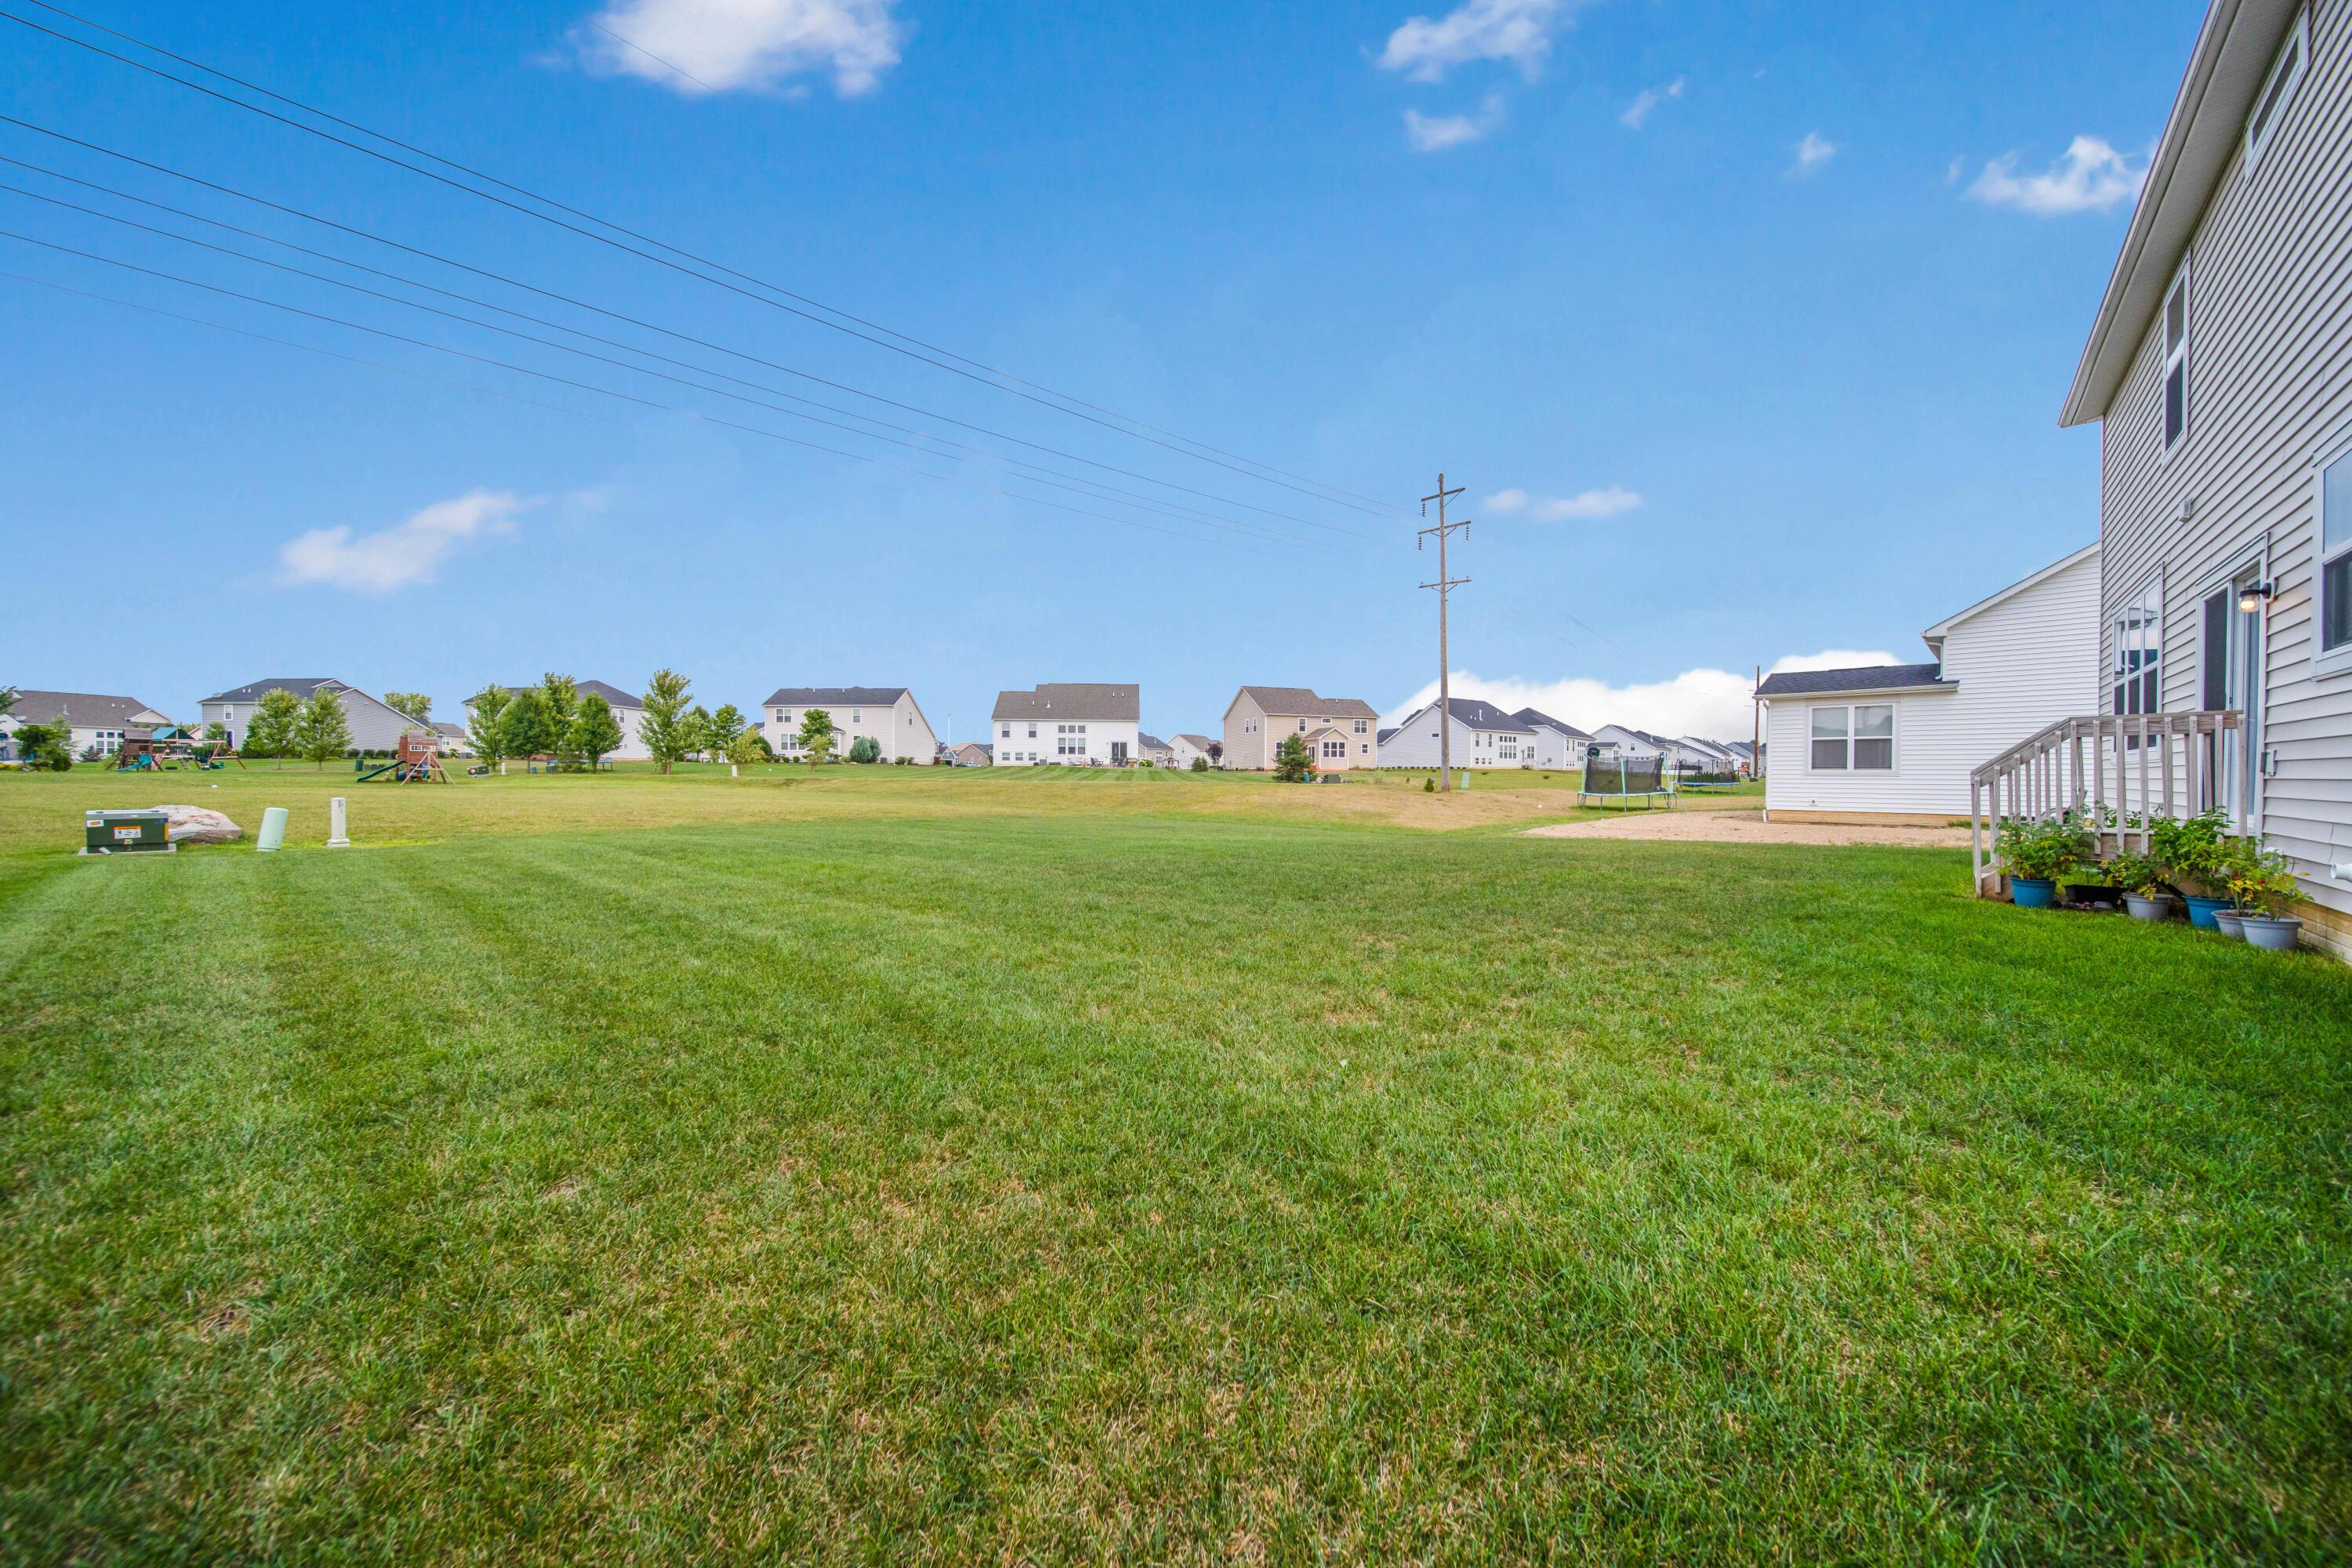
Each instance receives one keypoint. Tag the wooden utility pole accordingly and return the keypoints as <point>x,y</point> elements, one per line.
<point>1444,586</point>
<point>1756,728</point>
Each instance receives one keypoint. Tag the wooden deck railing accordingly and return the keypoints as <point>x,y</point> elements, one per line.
<point>2120,771</point>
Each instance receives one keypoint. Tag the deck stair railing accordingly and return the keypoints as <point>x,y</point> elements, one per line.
<point>2120,773</point>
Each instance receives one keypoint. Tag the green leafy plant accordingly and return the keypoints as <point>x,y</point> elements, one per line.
<point>271,732</point>
<point>2044,850</point>
<point>1293,763</point>
<point>2136,873</point>
<point>667,732</point>
<point>320,730</point>
<point>46,748</point>
<point>1200,764</point>
<point>2192,852</point>
<point>749,746</point>
<point>817,736</point>
<point>417,705</point>
<point>866,748</point>
<point>486,723</point>
<point>594,730</point>
<point>2259,881</point>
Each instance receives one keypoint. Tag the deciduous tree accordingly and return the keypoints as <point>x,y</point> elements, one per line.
<point>594,730</point>
<point>486,723</point>
<point>816,736</point>
<point>667,730</point>
<point>321,731</point>
<point>528,729</point>
<point>271,732</point>
<point>415,704</point>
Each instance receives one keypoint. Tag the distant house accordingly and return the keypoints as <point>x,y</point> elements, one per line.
<point>96,720</point>
<point>455,741</point>
<point>1558,745</point>
<point>627,708</point>
<point>1702,755</point>
<point>969,754</point>
<point>1897,743</point>
<point>1340,732</point>
<point>888,715</point>
<point>1622,740</point>
<point>1483,736</point>
<point>1743,757</point>
<point>1071,724</point>
<point>375,726</point>
<point>1187,747</point>
<point>1154,750</point>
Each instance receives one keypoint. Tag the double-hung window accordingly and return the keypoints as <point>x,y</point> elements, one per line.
<point>2333,500</point>
<point>1859,737</point>
<point>2278,89</point>
<point>2176,359</point>
<point>2138,661</point>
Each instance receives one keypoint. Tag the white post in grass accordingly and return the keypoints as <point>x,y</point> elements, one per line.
<point>336,838</point>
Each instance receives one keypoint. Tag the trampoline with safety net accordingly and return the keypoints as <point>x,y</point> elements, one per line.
<point>1615,781</point>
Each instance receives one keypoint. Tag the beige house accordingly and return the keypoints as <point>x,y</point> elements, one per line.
<point>99,722</point>
<point>886,714</point>
<point>1341,732</point>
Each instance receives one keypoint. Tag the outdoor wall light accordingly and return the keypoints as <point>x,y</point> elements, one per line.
<point>2256,597</point>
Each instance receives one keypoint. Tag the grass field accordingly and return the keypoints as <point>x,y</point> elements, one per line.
<point>888,1167</point>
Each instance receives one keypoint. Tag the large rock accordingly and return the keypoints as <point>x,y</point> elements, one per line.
<point>199,825</point>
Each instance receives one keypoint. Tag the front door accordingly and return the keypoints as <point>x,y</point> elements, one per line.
<point>2233,678</point>
<point>1119,753</point>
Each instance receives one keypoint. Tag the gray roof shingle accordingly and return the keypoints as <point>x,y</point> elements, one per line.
<point>1531,717</point>
<point>835,696</point>
<point>1300,702</point>
<point>1871,678</point>
<point>83,708</point>
<point>1078,702</point>
<point>298,685</point>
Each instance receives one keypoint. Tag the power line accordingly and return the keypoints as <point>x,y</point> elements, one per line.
<point>1064,405</point>
<point>598,310</point>
<point>600,26</point>
<point>604,391</point>
<point>1040,475</point>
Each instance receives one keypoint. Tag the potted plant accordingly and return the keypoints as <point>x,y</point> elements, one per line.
<point>2263,887</point>
<point>2036,854</point>
<point>2192,854</point>
<point>2141,877</point>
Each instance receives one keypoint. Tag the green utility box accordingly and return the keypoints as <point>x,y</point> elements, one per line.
<point>126,833</point>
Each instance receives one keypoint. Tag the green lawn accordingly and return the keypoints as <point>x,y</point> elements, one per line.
<point>883,1169</point>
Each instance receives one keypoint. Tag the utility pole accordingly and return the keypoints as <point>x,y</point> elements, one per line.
<point>1444,586</point>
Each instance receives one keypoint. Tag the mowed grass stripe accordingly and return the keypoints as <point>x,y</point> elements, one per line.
<point>877,1191</point>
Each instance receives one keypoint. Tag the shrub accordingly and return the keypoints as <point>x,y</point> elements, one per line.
<point>1429,786</point>
<point>1200,764</point>
<point>866,748</point>
<point>1293,763</point>
<point>2045,850</point>
<point>46,747</point>
<point>2135,873</point>
<point>2192,852</point>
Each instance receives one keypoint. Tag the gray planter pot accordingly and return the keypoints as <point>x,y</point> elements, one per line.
<point>2271,935</point>
<point>2228,920</point>
<point>2154,909</point>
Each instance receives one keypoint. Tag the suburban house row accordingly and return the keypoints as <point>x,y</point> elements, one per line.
<point>2199,653</point>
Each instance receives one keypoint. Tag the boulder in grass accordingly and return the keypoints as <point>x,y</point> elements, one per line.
<point>199,825</point>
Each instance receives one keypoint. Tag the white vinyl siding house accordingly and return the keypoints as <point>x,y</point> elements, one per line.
<point>889,714</point>
<point>2227,579</point>
<point>1558,744</point>
<point>1068,724</point>
<point>97,721</point>
<point>1897,743</point>
<point>1185,748</point>
<point>1483,737</point>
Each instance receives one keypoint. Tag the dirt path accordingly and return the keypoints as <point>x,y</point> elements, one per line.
<point>1749,827</point>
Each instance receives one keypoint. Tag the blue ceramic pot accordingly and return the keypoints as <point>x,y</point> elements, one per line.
<point>2032,892</point>
<point>2202,911</point>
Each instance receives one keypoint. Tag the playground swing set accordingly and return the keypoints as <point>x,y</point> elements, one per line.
<point>417,760</point>
<point>169,748</point>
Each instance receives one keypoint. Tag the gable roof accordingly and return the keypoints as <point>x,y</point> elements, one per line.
<point>613,695</point>
<point>87,709</point>
<point>1300,702</point>
<point>831,696</point>
<point>1384,735</point>
<point>1873,678</point>
<point>1198,743</point>
<point>1149,742</point>
<point>1473,714</point>
<point>1534,717</point>
<point>1079,701</point>
<point>2227,67</point>
<point>1936,634</point>
<point>298,685</point>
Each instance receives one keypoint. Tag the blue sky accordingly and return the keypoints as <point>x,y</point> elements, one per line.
<point>1745,325</point>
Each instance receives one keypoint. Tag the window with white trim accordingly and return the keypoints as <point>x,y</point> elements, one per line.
<point>2137,665</point>
<point>1857,737</point>
<point>2334,501</point>
<point>2278,89</point>
<point>2175,400</point>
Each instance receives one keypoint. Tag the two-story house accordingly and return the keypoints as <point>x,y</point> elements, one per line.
<point>1069,724</point>
<point>1340,732</point>
<point>375,724</point>
<point>888,715</point>
<point>2220,371</point>
<point>1483,736</point>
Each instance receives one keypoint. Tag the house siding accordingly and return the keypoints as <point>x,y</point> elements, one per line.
<point>2270,382</point>
<point>898,728</point>
<point>2025,662</point>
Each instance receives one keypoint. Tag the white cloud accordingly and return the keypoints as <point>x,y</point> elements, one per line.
<point>2091,178</point>
<point>1813,151</point>
<point>1637,115</point>
<point>1606,502</point>
<point>1714,704</point>
<point>696,47</point>
<point>1435,134</point>
<point>1518,31</point>
<point>407,553</point>
<point>1832,658</point>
